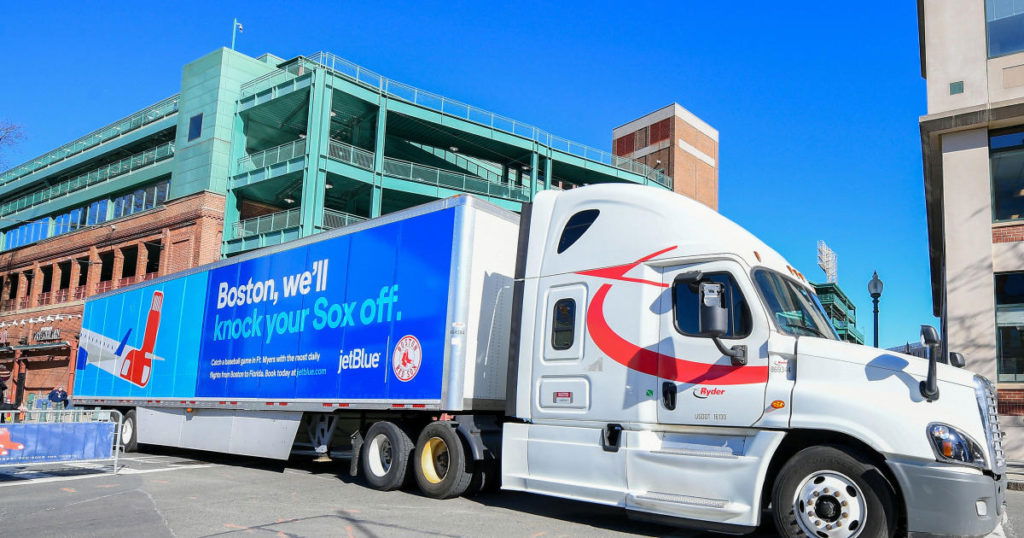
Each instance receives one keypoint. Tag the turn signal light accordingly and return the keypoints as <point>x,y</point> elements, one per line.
<point>778,404</point>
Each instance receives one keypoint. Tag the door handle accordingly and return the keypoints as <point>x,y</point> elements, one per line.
<point>668,395</point>
<point>611,437</point>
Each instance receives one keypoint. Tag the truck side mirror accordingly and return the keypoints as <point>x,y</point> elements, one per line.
<point>957,359</point>
<point>713,319</point>
<point>930,386</point>
<point>714,316</point>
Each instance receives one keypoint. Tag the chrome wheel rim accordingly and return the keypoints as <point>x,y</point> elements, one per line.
<point>127,430</point>
<point>830,505</point>
<point>380,455</point>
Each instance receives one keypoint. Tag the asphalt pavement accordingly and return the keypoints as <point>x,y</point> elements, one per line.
<point>181,493</point>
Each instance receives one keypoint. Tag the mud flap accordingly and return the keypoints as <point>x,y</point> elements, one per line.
<point>357,448</point>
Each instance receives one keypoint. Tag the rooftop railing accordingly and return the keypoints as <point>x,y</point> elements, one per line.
<point>273,78</point>
<point>271,156</point>
<point>139,119</point>
<point>99,175</point>
<point>453,180</point>
<point>461,110</point>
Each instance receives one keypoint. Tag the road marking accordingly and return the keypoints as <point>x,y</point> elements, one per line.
<point>50,479</point>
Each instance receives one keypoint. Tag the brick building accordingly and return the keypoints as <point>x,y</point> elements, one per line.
<point>251,152</point>
<point>675,141</point>
<point>44,286</point>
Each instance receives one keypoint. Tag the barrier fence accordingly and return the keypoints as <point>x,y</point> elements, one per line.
<point>34,437</point>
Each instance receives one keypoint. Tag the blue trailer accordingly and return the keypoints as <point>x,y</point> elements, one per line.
<point>405,313</point>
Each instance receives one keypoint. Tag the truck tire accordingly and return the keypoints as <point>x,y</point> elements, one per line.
<point>129,432</point>
<point>441,466</point>
<point>385,458</point>
<point>835,492</point>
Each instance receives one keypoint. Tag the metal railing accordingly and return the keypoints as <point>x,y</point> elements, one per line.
<point>273,78</point>
<point>453,180</point>
<point>471,166</point>
<point>461,110</point>
<point>291,218</point>
<point>45,455</point>
<point>347,153</point>
<point>268,223</point>
<point>99,175</point>
<point>271,156</point>
<point>339,219</point>
<point>139,119</point>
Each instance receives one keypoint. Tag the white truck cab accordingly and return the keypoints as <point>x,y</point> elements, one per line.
<point>669,362</point>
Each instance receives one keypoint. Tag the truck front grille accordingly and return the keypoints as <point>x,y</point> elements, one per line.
<point>989,407</point>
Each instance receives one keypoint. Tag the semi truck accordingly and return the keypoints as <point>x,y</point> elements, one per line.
<point>616,344</point>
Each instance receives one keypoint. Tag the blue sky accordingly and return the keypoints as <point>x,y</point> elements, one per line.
<point>817,103</point>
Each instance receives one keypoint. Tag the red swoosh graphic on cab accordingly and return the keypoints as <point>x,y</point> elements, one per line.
<point>650,362</point>
<point>618,272</point>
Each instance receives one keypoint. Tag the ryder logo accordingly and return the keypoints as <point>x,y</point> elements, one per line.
<point>704,392</point>
<point>406,359</point>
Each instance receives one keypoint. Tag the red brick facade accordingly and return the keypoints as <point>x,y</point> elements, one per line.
<point>1011,402</point>
<point>663,141</point>
<point>1008,234</point>
<point>44,284</point>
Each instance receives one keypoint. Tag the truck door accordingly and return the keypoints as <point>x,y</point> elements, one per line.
<point>698,383</point>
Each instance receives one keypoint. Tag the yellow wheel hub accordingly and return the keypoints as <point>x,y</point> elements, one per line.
<point>434,460</point>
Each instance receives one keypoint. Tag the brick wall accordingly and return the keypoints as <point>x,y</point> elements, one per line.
<point>1011,402</point>
<point>1008,234</point>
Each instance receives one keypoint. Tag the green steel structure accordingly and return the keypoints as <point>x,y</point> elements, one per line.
<point>296,147</point>
<point>840,310</point>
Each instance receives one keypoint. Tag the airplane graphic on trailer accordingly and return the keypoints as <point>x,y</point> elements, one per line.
<point>134,365</point>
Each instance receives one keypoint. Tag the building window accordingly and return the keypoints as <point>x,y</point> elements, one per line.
<point>660,130</point>
<point>1004,23</point>
<point>1006,153</point>
<point>956,87</point>
<point>195,127</point>
<point>1010,326</point>
<point>563,326</point>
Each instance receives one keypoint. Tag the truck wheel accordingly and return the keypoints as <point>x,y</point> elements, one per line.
<point>385,458</point>
<point>129,432</point>
<point>832,492</point>
<point>440,462</point>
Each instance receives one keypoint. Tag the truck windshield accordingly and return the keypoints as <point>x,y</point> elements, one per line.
<point>795,310</point>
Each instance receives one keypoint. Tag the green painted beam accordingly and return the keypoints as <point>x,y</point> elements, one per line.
<point>314,180</point>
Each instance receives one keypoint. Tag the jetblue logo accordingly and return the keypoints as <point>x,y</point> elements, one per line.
<point>357,358</point>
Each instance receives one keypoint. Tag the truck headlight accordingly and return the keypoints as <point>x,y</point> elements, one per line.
<point>954,446</point>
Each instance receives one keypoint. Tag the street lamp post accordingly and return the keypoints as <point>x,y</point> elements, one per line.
<point>875,289</point>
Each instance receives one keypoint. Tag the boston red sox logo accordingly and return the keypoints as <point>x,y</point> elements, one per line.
<point>6,444</point>
<point>406,359</point>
